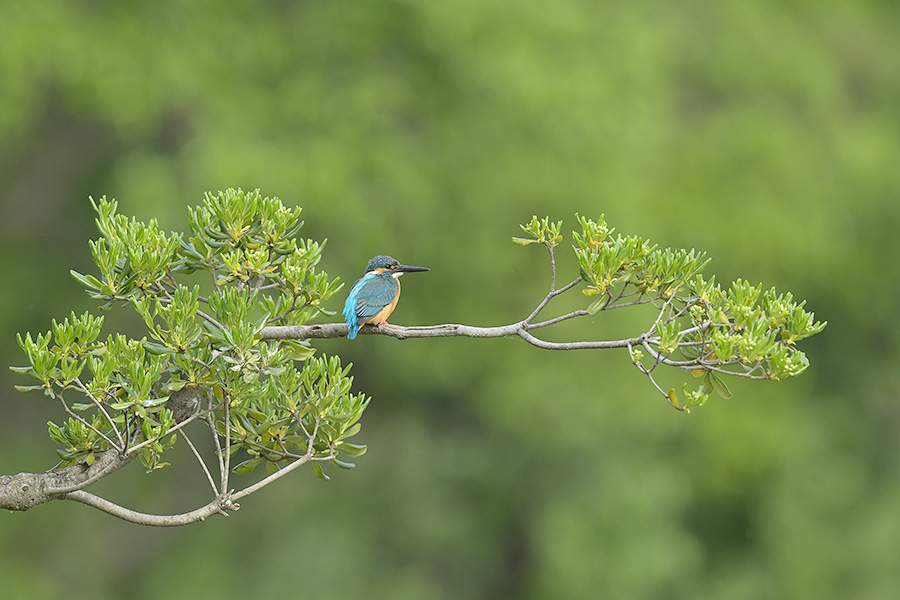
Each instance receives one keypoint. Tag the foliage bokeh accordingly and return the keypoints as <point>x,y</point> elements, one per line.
<point>763,133</point>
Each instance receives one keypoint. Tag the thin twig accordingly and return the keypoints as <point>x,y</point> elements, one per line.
<point>747,375</point>
<point>69,411</point>
<point>212,427</point>
<point>210,319</point>
<point>552,267</point>
<point>227,467</point>
<point>568,286</point>
<point>552,294</point>
<point>681,364</point>
<point>648,372</point>
<point>172,429</point>
<point>312,436</point>
<point>560,319</point>
<point>84,390</point>
<point>294,307</point>
<point>621,294</point>
<point>272,455</point>
<point>666,305</point>
<point>209,477</point>
<point>638,302</point>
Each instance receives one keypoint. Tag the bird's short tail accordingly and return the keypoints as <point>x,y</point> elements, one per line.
<point>350,317</point>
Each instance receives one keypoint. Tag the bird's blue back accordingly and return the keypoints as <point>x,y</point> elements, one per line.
<point>371,293</point>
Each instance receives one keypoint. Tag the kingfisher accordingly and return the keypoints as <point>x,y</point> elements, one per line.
<point>374,296</point>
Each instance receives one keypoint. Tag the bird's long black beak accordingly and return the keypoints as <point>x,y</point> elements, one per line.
<point>410,269</point>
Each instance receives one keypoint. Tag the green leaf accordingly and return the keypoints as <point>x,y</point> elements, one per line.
<point>154,348</point>
<point>152,402</point>
<point>300,351</point>
<point>352,449</point>
<point>28,388</point>
<point>320,472</point>
<point>56,433</point>
<point>720,387</point>
<point>69,457</point>
<point>673,398</point>
<point>351,431</point>
<point>246,467</point>
<point>707,383</point>
<point>88,281</point>
<point>598,305</point>
<point>523,241</point>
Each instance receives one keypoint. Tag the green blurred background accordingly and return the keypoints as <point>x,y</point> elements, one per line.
<point>766,133</point>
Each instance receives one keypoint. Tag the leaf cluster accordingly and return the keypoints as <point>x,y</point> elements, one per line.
<point>699,326</point>
<point>542,231</point>
<point>202,358</point>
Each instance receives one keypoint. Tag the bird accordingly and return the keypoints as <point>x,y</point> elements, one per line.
<point>374,295</point>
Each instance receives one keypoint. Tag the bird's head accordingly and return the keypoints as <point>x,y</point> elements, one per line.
<point>383,263</point>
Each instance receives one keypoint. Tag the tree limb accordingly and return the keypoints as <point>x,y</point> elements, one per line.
<point>220,505</point>
<point>25,490</point>
<point>520,329</point>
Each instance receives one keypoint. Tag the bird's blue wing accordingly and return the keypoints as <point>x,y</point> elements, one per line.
<point>374,293</point>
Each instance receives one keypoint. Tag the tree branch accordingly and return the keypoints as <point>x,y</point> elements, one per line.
<point>520,329</point>
<point>25,490</point>
<point>220,505</point>
<point>336,330</point>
